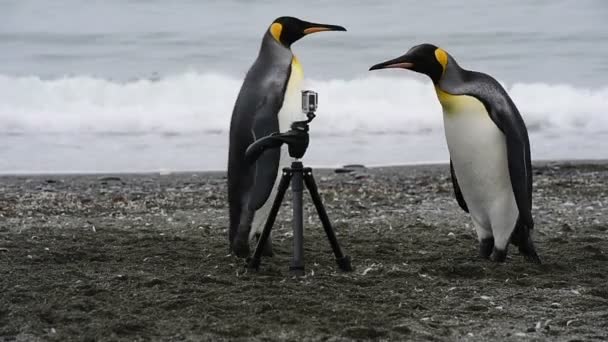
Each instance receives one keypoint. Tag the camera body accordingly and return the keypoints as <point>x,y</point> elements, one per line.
<point>309,101</point>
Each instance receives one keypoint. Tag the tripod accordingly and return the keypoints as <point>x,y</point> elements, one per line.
<point>297,140</point>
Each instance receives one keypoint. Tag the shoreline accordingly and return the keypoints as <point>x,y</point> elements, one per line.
<point>540,162</point>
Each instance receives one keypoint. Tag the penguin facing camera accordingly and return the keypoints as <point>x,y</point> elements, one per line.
<point>269,101</point>
<point>489,150</point>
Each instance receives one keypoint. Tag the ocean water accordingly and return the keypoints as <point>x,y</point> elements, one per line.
<point>134,85</point>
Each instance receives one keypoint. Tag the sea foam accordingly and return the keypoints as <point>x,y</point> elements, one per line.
<point>202,102</point>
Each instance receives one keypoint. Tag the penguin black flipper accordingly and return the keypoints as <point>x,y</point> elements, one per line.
<point>457,191</point>
<point>507,118</point>
<point>267,165</point>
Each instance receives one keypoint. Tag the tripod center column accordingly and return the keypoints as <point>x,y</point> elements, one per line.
<point>297,188</point>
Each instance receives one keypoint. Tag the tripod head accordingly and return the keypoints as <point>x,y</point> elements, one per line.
<point>296,138</point>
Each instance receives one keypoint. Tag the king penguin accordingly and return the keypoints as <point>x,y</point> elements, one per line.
<point>489,150</point>
<point>268,102</point>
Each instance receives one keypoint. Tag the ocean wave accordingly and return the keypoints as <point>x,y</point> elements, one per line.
<point>194,102</point>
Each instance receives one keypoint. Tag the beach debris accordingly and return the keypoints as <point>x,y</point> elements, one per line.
<point>569,322</point>
<point>354,166</point>
<point>343,170</point>
<point>361,175</point>
<point>109,179</point>
<point>350,168</point>
<point>372,267</point>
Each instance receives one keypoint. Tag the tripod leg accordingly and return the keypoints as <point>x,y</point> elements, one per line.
<point>297,187</point>
<point>254,262</point>
<point>342,260</point>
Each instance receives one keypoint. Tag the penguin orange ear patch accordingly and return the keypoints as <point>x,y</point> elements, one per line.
<point>442,58</point>
<point>275,31</point>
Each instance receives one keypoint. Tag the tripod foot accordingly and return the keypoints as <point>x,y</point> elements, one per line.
<point>253,263</point>
<point>344,264</point>
<point>297,271</point>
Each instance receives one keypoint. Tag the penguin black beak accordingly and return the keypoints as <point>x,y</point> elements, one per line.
<point>313,28</point>
<point>403,62</point>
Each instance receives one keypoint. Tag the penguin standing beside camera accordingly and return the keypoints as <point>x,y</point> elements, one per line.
<point>268,102</point>
<point>489,150</point>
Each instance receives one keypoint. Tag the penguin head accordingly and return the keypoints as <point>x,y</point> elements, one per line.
<point>426,59</point>
<point>288,30</point>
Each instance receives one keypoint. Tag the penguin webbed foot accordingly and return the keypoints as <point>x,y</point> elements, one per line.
<point>240,247</point>
<point>499,256</point>
<point>486,245</point>
<point>529,252</point>
<point>524,243</point>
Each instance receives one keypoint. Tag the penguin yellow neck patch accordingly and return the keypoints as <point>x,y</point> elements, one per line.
<point>457,104</point>
<point>296,67</point>
<point>442,58</point>
<point>275,31</point>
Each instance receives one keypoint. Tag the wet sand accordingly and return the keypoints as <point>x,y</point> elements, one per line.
<point>145,257</point>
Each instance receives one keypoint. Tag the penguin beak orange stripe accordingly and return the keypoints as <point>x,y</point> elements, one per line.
<point>397,65</point>
<point>399,62</point>
<point>315,29</point>
<point>321,27</point>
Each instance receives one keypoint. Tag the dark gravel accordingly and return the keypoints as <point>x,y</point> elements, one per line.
<point>145,257</point>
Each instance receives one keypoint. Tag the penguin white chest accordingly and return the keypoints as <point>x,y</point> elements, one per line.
<point>479,155</point>
<point>292,101</point>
